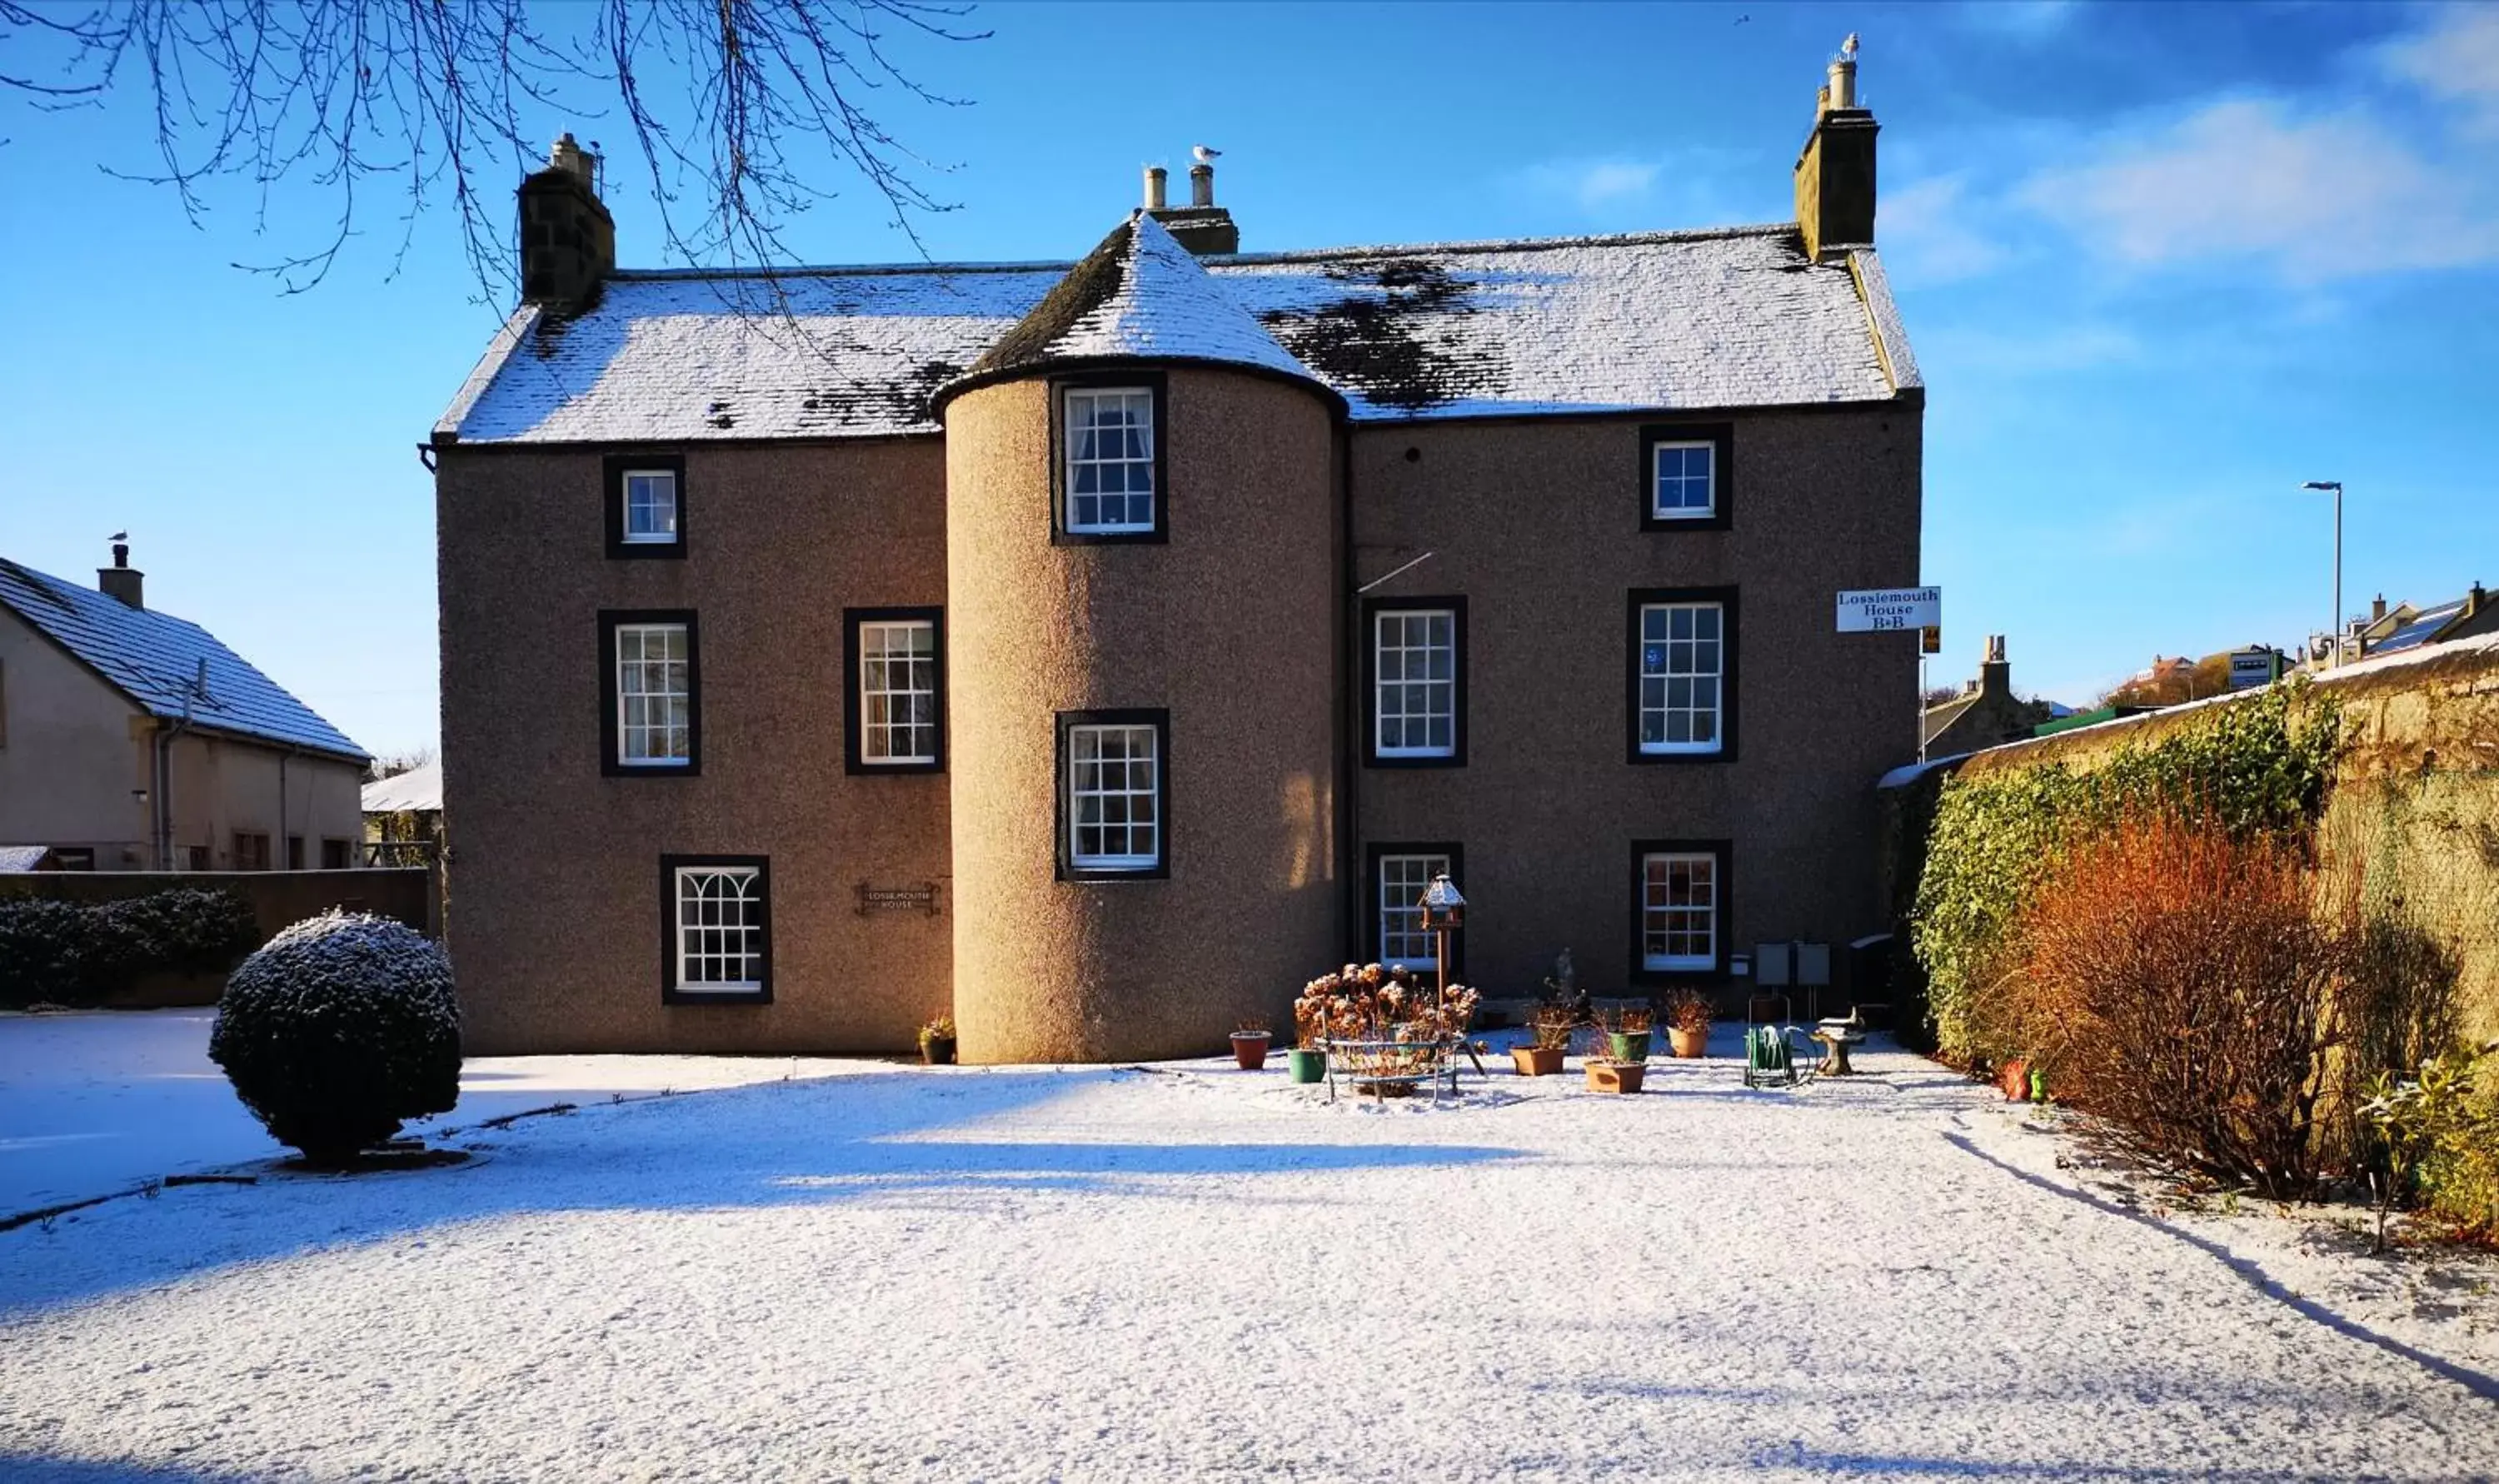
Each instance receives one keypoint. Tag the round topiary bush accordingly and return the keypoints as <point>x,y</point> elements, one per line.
<point>338,1030</point>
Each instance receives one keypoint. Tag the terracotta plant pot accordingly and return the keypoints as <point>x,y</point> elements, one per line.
<point>2014,1079</point>
<point>1688,1044</point>
<point>1250,1049</point>
<point>1538,1060</point>
<point>1630,1046</point>
<point>1307,1064</point>
<point>937,1050</point>
<point>1604,1077</point>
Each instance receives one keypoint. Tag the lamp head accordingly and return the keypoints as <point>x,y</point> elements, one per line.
<point>2336,485</point>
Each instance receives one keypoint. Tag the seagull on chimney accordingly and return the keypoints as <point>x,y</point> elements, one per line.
<point>1202,154</point>
<point>119,536</point>
<point>1848,47</point>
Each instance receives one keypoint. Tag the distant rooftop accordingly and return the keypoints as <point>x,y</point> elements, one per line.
<point>157,660</point>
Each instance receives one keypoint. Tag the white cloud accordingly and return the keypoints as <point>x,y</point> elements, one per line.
<point>1930,233</point>
<point>2456,58</point>
<point>1597,184</point>
<point>2323,197</point>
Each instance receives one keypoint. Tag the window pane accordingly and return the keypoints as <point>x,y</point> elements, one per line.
<point>1109,438</point>
<point>720,931</point>
<point>1415,695</point>
<point>1112,781</point>
<point>1679,677</point>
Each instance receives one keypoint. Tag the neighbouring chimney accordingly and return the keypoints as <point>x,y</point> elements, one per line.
<point>1995,672</point>
<point>2376,607</point>
<point>568,239</point>
<point>1834,176</point>
<point>1157,188</point>
<point>121,580</point>
<point>2474,599</point>
<point>1201,226</point>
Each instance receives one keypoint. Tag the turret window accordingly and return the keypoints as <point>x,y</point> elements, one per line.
<point>1113,793</point>
<point>1108,483</point>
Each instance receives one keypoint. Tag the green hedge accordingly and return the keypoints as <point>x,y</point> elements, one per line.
<point>66,954</point>
<point>2264,763</point>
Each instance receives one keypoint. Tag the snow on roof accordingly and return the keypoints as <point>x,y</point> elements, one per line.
<point>1140,295</point>
<point>2423,628</point>
<point>419,789</point>
<point>154,658</point>
<point>17,860</point>
<point>1731,317</point>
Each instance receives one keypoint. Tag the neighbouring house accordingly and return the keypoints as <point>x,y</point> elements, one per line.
<point>1095,650</point>
<point>403,816</point>
<point>131,740</point>
<point>1984,714</point>
<point>2406,626</point>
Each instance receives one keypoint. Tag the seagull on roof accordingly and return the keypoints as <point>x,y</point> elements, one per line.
<point>1202,154</point>
<point>1848,47</point>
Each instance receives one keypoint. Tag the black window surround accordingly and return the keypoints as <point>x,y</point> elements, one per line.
<point>1372,854</point>
<point>1153,382</point>
<point>1372,609</point>
<point>854,723</point>
<point>609,620</point>
<point>1062,779</point>
<point>612,472</point>
<point>1722,909</point>
<point>669,993</point>
<point>1721,437</point>
<point>1729,630</point>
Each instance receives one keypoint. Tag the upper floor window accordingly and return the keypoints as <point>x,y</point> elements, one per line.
<point>717,928</point>
<point>1683,673</point>
<point>653,721</point>
<point>646,505</point>
<point>897,691</point>
<point>1416,681</point>
<point>1113,789</point>
<point>1686,472</point>
<point>1109,481</point>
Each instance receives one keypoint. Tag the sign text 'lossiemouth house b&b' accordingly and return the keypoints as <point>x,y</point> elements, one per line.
<point>1875,610</point>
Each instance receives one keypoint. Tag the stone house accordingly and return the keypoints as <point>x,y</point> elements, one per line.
<point>132,740</point>
<point>1095,652</point>
<point>1985,714</point>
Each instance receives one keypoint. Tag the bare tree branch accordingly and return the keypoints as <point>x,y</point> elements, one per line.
<point>736,106</point>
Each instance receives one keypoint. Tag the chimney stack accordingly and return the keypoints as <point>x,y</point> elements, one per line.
<point>1201,226</point>
<point>1834,176</point>
<point>2376,607</point>
<point>121,580</point>
<point>568,239</point>
<point>1996,672</point>
<point>1157,188</point>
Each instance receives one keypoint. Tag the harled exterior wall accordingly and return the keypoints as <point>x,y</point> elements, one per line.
<point>1537,525</point>
<point>554,879</point>
<point>1230,624</point>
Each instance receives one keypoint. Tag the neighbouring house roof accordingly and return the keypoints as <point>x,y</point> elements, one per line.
<point>2423,627</point>
<point>154,660</point>
<point>1138,296</point>
<point>16,859</point>
<point>1935,720</point>
<point>1720,319</point>
<point>418,790</point>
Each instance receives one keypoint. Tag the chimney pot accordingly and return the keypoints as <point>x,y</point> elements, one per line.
<point>1157,188</point>
<point>1201,185</point>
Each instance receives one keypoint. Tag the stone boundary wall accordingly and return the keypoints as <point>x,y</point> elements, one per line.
<point>279,899</point>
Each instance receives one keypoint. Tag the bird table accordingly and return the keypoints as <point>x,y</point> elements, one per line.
<point>1835,1037</point>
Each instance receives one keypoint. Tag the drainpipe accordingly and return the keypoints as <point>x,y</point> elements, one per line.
<point>164,770</point>
<point>281,804</point>
<point>1348,851</point>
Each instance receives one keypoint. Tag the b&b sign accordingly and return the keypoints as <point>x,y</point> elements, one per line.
<point>1876,610</point>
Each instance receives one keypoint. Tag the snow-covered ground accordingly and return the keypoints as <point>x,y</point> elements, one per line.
<point>102,1101</point>
<point>1191,1271</point>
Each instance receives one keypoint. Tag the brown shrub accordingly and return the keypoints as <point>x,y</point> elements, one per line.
<point>2172,980</point>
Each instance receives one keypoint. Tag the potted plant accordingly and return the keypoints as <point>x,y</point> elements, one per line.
<point>1688,1013</point>
<point>1610,1070</point>
<point>1551,1025</point>
<point>1627,1033</point>
<point>2012,1079</point>
<point>1306,1061</point>
<point>1249,1044</point>
<point>937,1042</point>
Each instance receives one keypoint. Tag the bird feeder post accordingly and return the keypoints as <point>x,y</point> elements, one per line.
<point>1445,912</point>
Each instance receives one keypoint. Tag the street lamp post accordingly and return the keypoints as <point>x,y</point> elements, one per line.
<point>2336,632</point>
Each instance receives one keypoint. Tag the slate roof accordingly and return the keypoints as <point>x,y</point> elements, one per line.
<point>154,660</point>
<point>2422,629</point>
<point>1726,318</point>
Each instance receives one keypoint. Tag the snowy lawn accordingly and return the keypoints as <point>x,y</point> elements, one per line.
<point>100,1101</point>
<point>1189,1272</point>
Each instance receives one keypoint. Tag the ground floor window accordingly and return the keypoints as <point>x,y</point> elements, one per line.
<point>334,855</point>
<point>717,924</point>
<point>1679,906</point>
<point>250,851</point>
<point>1399,875</point>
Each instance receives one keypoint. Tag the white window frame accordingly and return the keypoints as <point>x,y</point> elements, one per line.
<point>632,670</point>
<point>1075,423</point>
<point>625,492</point>
<point>756,954</point>
<point>1707,910</point>
<point>1082,736</point>
<point>1663,678</point>
<point>1402,901</point>
<point>1439,694</point>
<point>1660,511</point>
<point>874,734</point>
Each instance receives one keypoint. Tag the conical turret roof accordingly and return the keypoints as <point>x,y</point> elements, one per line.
<point>1140,296</point>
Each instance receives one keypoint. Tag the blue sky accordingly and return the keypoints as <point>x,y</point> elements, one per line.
<point>2161,263</point>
